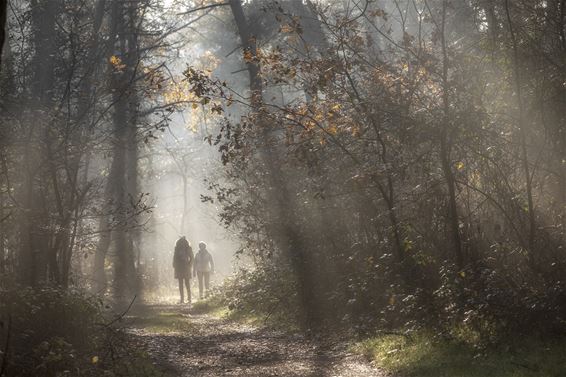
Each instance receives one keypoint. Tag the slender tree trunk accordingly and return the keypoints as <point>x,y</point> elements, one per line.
<point>184,216</point>
<point>3,16</point>
<point>118,182</point>
<point>132,62</point>
<point>445,148</point>
<point>522,136</point>
<point>99,273</point>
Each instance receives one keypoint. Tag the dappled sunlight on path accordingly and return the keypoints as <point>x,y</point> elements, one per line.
<point>189,344</point>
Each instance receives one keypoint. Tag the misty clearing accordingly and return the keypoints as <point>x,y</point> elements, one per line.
<point>283,188</point>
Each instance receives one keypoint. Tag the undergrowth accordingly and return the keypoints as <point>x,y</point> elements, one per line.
<point>53,332</point>
<point>263,297</point>
<point>165,322</point>
<point>424,354</point>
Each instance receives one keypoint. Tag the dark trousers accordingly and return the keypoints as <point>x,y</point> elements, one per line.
<point>206,277</point>
<point>188,285</point>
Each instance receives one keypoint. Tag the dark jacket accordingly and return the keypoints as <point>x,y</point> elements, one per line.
<point>183,259</point>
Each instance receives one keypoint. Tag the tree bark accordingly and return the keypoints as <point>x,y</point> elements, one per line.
<point>445,148</point>
<point>522,136</point>
<point>289,236</point>
<point>3,17</point>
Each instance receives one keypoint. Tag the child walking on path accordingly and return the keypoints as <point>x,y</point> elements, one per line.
<point>202,268</point>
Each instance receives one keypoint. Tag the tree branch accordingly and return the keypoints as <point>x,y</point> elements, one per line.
<point>203,8</point>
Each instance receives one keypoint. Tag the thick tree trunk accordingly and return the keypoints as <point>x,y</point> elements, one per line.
<point>34,250</point>
<point>289,237</point>
<point>123,177</point>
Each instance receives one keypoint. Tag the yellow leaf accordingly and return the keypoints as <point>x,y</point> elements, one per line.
<point>463,274</point>
<point>460,165</point>
<point>94,359</point>
<point>117,63</point>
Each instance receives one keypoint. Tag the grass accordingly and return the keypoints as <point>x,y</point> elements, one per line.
<point>165,322</point>
<point>215,306</point>
<point>212,305</point>
<point>422,355</point>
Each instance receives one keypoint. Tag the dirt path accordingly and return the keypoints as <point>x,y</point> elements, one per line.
<point>189,344</point>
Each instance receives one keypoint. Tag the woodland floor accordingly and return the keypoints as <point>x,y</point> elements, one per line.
<point>185,343</point>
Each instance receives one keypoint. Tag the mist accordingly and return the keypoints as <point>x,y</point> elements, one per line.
<point>338,185</point>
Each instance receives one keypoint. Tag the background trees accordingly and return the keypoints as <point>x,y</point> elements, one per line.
<point>412,150</point>
<point>387,163</point>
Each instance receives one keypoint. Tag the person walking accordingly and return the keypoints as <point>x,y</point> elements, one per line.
<point>202,268</point>
<point>182,262</point>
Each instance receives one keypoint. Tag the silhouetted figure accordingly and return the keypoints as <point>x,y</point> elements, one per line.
<point>182,263</point>
<point>203,267</point>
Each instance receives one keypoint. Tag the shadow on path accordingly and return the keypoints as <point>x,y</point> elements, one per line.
<point>189,344</point>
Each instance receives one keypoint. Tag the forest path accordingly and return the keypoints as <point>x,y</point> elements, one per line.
<point>185,343</point>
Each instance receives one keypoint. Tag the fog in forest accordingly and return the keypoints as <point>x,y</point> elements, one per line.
<point>282,187</point>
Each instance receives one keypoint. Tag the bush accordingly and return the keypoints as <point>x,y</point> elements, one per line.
<point>267,293</point>
<point>55,332</point>
<point>50,330</point>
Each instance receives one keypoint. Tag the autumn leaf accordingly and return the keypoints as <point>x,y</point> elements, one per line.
<point>287,29</point>
<point>336,107</point>
<point>248,56</point>
<point>117,63</point>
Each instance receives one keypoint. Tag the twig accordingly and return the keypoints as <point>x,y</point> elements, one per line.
<point>6,348</point>
<point>6,217</point>
<point>121,315</point>
<point>203,8</point>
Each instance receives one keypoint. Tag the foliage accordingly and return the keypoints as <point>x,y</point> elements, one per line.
<point>424,354</point>
<point>399,162</point>
<point>263,296</point>
<point>54,332</point>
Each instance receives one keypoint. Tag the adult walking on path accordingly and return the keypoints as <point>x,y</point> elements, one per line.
<point>203,267</point>
<point>182,262</point>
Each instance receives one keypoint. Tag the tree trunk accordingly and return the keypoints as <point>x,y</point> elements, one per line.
<point>289,237</point>
<point>33,248</point>
<point>523,137</point>
<point>445,148</point>
<point>3,16</point>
